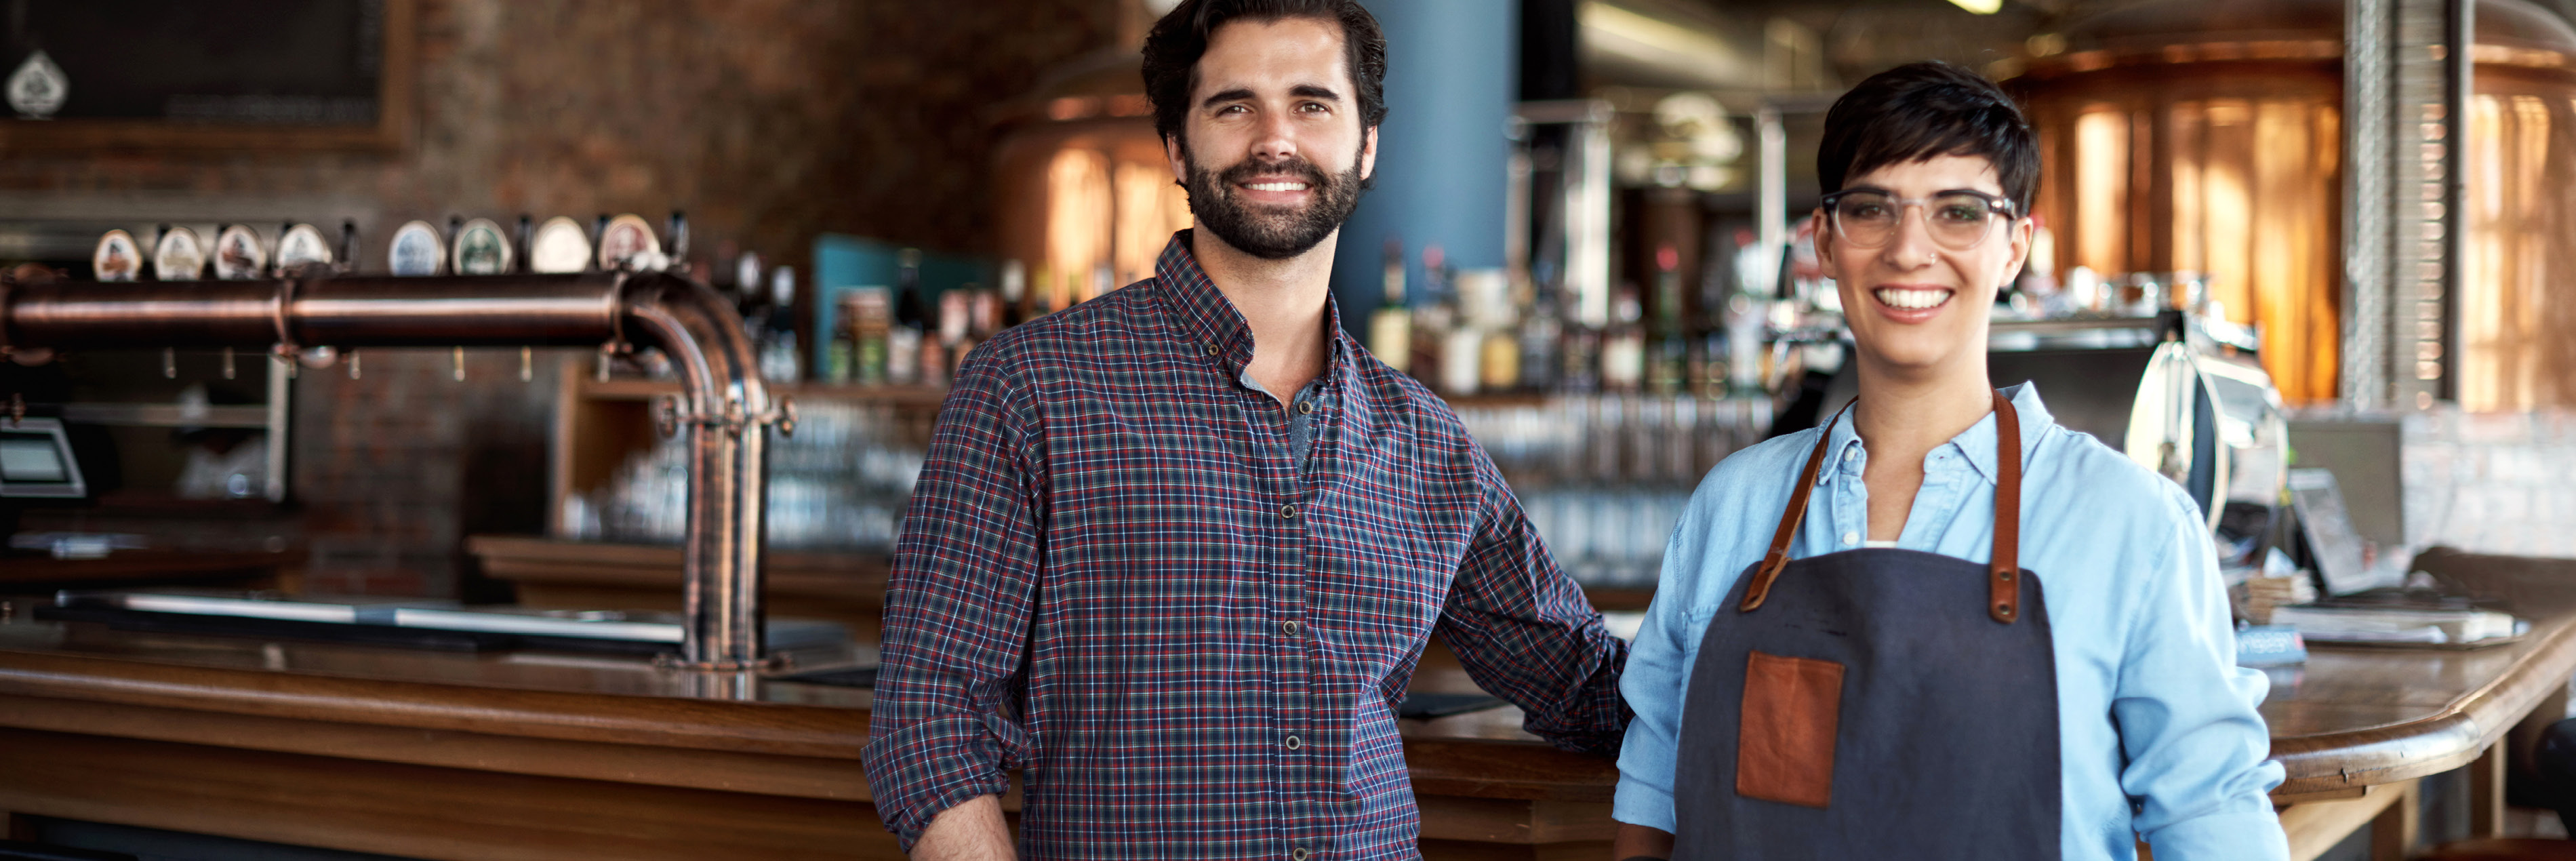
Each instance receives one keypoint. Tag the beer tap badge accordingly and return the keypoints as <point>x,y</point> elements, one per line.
<point>38,87</point>
<point>746,273</point>
<point>560,246</point>
<point>481,249</point>
<point>239,255</point>
<point>178,257</point>
<point>416,250</point>
<point>117,259</point>
<point>629,243</point>
<point>302,247</point>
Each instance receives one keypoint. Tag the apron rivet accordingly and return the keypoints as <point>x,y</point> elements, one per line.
<point>2007,576</point>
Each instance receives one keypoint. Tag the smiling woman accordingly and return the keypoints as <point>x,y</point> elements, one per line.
<point>1925,596</point>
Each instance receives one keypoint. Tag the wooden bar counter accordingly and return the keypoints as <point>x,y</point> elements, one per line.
<point>530,755</point>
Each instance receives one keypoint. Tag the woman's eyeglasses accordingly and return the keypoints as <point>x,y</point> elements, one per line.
<point>1957,220</point>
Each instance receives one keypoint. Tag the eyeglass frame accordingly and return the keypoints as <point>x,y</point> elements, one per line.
<point>1995,203</point>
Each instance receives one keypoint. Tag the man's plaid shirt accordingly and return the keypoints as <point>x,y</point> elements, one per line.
<point>1114,576</point>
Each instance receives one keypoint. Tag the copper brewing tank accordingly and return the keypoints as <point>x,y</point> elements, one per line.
<point>2205,136</point>
<point>1084,193</point>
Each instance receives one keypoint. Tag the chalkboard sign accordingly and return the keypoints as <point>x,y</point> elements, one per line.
<point>206,73</point>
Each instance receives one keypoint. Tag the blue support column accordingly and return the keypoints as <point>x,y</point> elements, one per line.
<point>1451,81</point>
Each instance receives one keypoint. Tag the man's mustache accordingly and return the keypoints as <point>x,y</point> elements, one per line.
<point>1299,170</point>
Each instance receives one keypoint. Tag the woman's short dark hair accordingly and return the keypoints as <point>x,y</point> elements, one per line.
<point>1924,110</point>
<point>1172,51</point>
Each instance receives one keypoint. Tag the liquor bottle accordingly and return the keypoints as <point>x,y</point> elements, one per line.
<point>903,340</point>
<point>1668,357</point>
<point>1623,345</point>
<point>1390,336</point>
<point>868,310</point>
<point>1041,298</point>
<point>778,354</point>
<point>1015,290</point>
<point>1540,334</point>
<point>1579,357</point>
<point>1502,364</point>
<point>1434,314</point>
<point>954,318</point>
<point>1462,345</point>
<point>841,344</point>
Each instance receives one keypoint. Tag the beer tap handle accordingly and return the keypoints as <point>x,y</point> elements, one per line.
<point>679,241</point>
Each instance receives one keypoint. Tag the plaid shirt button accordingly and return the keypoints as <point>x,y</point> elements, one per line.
<point>1288,511</point>
<point>1290,627</point>
<point>1294,744</point>
<point>1297,854</point>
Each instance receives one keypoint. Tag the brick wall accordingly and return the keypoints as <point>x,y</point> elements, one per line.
<point>2500,483</point>
<point>769,121</point>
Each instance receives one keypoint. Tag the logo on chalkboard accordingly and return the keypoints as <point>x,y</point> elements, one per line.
<point>37,88</point>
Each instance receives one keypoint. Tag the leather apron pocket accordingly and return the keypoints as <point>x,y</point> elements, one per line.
<point>1785,749</point>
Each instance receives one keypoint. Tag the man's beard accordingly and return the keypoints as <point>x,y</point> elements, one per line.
<point>1270,232</point>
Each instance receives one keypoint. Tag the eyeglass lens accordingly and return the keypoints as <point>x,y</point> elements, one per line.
<point>1956,221</point>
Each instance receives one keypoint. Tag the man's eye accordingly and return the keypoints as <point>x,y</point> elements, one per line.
<point>1313,108</point>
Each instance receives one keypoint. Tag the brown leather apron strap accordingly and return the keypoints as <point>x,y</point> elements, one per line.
<point>1778,557</point>
<point>2004,578</point>
<point>2003,573</point>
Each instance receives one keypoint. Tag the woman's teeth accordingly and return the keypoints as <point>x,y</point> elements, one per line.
<point>1276,186</point>
<point>1896,297</point>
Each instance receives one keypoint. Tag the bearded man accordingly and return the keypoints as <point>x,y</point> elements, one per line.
<point>1176,551</point>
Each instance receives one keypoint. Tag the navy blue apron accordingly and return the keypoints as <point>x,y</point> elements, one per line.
<point>1875,703</point>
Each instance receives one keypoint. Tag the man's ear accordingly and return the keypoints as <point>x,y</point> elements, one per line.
<point>1179,160</point>
<point>1368,152</point>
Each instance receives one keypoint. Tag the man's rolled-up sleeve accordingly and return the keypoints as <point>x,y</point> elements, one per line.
<point>1524,631</point>
<point>2196,745</point>
<point>945,726</point>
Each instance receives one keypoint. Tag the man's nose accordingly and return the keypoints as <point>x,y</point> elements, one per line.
<point>1276,138</point>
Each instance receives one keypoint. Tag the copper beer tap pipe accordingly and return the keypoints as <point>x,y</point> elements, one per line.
<point>724,406</point>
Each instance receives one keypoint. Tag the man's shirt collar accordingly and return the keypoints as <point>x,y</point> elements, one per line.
<point>1211,321</point>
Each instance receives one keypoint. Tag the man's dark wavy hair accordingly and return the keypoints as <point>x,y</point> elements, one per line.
<point>1172,52</point>
<point>1924,110</point>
